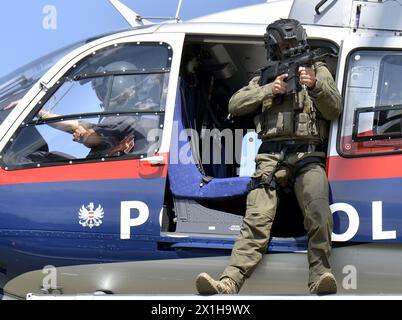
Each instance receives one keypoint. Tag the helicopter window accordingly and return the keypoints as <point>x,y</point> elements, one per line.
<point>126,135</point>
<point>102,109</point>
<point>127,77</point>
<point>113,93</point>
<point>372,118</point>
<point>139,57</point>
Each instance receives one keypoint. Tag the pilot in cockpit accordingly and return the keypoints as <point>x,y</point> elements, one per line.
<point>115,134</point>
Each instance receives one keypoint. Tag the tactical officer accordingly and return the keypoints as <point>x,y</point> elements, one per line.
<point>293,128</point>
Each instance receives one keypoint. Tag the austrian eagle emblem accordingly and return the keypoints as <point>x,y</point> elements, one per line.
<point>91,217</point>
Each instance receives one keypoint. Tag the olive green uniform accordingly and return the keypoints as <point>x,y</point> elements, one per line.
<point>302,120</point>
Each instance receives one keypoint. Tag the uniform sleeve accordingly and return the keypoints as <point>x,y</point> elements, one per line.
<point>117,127</point>
<point>325,95</point>
<point>249,98</point>
<point>114,129</point>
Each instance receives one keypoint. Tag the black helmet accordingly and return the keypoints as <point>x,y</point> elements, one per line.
<point>115,92</point>
<point>287,31</point>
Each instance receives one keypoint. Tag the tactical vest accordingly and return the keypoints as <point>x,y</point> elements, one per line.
<point>291,118</point>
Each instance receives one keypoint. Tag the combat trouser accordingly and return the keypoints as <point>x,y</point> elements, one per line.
<point>311,189</point>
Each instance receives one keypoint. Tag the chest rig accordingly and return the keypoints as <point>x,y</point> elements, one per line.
<point>291,117</point>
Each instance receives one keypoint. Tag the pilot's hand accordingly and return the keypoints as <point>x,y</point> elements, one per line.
<point>79,134</point>
<point>86,136</point>
<point>307,77</point>
<point>279,86</point>
<point>12,105</point>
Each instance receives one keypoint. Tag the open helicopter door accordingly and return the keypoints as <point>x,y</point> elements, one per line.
<point>65,197</point>
<point>366,144</point>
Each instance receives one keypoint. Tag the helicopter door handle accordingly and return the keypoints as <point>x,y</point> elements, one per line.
<point>319,5</point>
<point>155,160</point>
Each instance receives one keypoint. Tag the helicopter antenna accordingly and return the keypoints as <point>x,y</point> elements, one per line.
<point>177,17</point>
<point>133,18</point>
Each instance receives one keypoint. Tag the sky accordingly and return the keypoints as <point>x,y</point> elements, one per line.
<point>32,28</point>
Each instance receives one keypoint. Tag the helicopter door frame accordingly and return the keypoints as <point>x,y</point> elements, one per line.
<point>50,79</point>
<point>350,45</point>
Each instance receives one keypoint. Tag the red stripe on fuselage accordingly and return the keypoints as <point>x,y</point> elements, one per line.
<point>338,168</point>
<point>110,170</point>
<point>364,168</point>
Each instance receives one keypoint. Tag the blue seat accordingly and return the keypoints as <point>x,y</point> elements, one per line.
<point>185,179</point>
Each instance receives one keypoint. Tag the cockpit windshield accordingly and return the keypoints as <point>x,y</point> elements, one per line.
<point>15,85</point>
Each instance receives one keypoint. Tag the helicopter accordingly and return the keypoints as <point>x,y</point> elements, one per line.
<point>148,216</point>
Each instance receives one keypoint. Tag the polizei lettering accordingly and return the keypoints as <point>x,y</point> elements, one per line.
<point>378,232</point>
<point>136,213</point>
<point>126,221</point>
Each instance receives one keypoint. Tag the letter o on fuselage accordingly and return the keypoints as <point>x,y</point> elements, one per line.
<point>353,217</point>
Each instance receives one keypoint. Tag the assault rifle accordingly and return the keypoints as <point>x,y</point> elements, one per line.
<point>291,67</point>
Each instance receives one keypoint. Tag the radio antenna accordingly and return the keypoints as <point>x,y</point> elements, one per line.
<point>132,17</point>
<point>178,11</point>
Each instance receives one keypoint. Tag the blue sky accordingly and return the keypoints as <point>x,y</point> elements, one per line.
<point>24,38</point>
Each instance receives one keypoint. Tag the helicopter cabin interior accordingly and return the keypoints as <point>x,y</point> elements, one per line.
<point>207,196</point>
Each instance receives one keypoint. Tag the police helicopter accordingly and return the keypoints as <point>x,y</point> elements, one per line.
<point>146,206</point>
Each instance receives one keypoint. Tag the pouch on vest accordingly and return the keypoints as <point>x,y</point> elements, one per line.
<point>298,104</point>
<point>302,124</point>
<point>280,123</point>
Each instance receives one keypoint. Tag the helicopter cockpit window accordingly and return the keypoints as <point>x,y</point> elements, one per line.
<point>112,93</point>
<point>109,105</point>
<point>373,104</point>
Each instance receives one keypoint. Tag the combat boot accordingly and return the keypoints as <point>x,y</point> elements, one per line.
<point>207,285</point>
<point>325,285</point>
